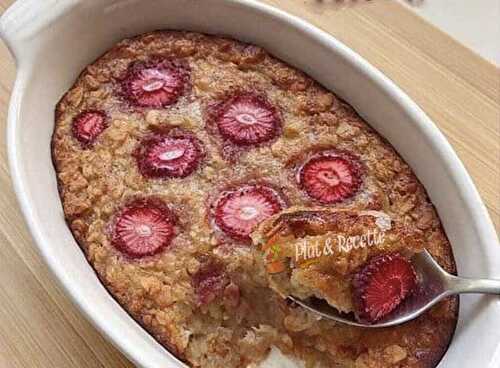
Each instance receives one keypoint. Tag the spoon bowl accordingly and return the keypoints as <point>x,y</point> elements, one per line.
<point>433,285</point>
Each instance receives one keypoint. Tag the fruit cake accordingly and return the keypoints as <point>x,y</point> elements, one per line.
<point>173,147</point>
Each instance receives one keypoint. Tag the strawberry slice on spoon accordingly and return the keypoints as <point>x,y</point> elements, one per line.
<point>390,290</point>
<point>381,286</point>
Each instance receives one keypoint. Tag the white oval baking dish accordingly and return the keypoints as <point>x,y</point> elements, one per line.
<point>53,40</point>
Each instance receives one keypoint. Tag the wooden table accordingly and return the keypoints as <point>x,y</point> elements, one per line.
<point>39,326</point>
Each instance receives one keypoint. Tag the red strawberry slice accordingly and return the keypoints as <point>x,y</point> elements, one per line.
<point>88,125</point>
<point>382,285</point>
<point>330,176</point>
<point>143,228</point>
<point>239,212</point>
<point>209,282</point>
<point>248,119</point>
<point>155,84</point>
<point>169,156</point>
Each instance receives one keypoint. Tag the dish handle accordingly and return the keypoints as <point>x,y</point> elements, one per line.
<point>25,19</point>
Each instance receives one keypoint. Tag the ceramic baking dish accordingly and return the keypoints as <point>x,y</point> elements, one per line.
<point>53,40</point>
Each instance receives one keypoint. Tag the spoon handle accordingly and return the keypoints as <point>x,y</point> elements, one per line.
<point>461,285</point>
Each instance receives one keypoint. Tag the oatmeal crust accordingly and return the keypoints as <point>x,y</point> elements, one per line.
<point>244,318</point>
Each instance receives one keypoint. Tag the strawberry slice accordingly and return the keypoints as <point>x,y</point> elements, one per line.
<point>88,125</point>
<point>248,119</point>
<point>143,228</point>
<point>238,212</point>
<point>330,176</point>
<point>382,285</point>
<point>155,84</point>
<point>209,282</point>
<point>169,156</point>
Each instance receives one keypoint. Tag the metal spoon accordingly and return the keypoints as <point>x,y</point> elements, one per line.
<point>435,284</point>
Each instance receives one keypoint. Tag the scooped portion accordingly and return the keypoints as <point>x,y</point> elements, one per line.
<point>358,261</point>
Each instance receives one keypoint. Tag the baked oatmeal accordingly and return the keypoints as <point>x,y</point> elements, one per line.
<point>318,252</point>
<point>173,147</point>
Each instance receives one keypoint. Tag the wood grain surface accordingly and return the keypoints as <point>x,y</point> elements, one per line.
<point>39,326</point>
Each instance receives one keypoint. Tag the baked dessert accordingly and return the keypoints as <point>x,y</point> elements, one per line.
<point>173,147</point>
<point>342,256</point>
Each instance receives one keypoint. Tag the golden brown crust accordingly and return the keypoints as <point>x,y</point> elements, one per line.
<point>158,292</point>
